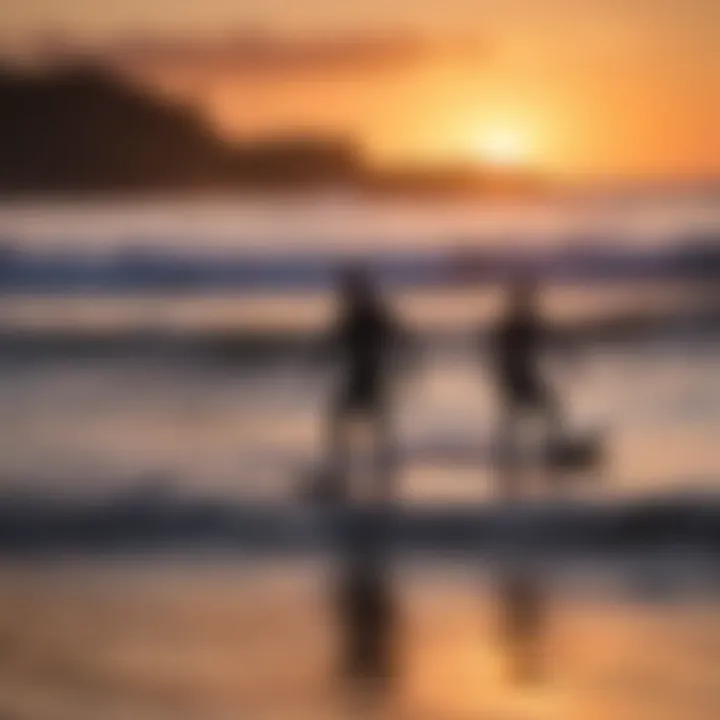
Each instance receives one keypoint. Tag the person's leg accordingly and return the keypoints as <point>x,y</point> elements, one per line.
<point>509,460</point>
<point>552,412</point>
<point>384,449</point>
<point>338,451</point>
<point>552,475</point>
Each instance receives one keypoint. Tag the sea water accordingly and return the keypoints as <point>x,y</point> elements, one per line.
<point>218,632</point>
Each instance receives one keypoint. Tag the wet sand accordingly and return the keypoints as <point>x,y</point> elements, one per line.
<point>173,638</point>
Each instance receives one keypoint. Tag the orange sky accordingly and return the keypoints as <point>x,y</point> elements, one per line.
<point>581,86</point>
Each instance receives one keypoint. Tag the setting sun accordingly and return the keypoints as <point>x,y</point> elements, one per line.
<point>503,146</point>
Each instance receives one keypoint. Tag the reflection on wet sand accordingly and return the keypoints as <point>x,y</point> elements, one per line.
<point>219,640</point>
<point>522,610</point>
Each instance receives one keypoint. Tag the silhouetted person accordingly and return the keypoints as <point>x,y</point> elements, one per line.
<point>363,340</point>
<point>517,346</point>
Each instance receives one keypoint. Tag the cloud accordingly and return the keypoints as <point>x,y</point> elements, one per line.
<point>251,54</point>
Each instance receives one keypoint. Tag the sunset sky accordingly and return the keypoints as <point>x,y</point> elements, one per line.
<point>571,86</point>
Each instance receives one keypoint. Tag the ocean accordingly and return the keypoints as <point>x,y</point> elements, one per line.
<point>159,425</point>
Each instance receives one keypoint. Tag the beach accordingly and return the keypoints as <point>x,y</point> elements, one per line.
<point>158,557</point>
<point>221,638</point>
